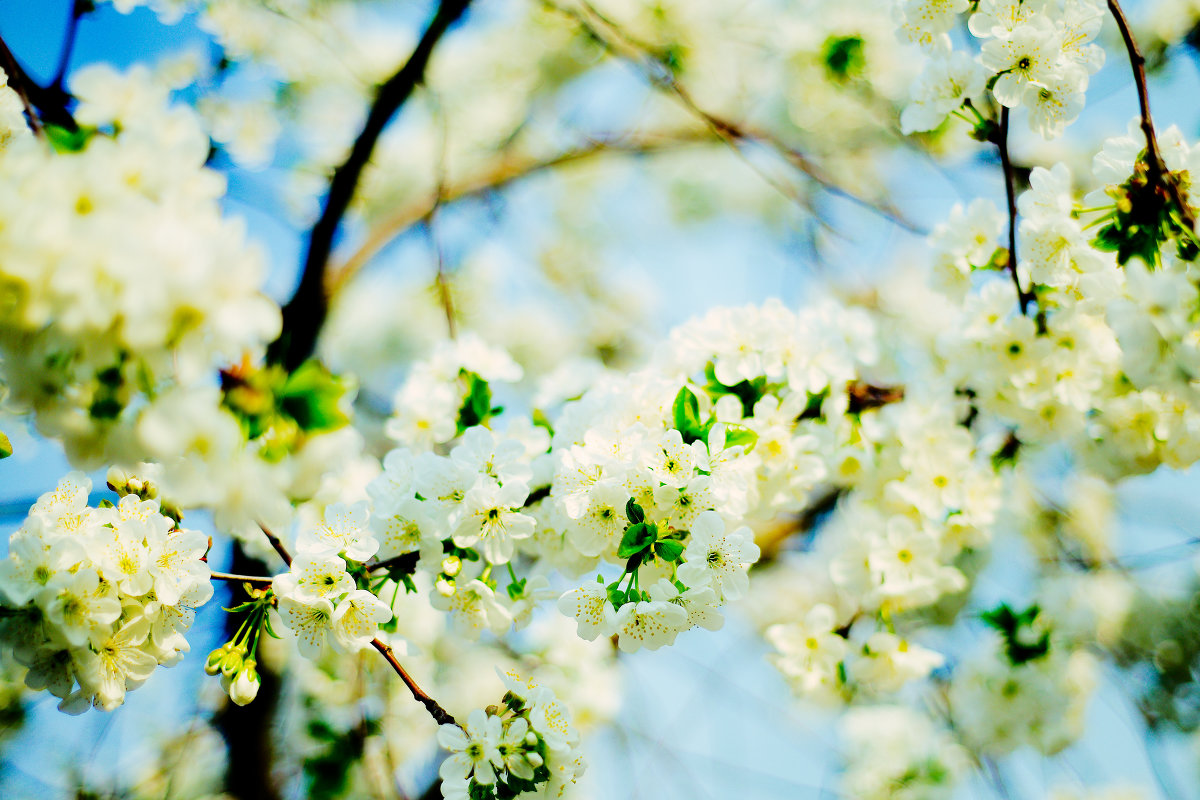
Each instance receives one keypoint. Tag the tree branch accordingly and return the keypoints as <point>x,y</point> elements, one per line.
<point>440,715</point>
<point>50,101</point>
<point>19,82</point>
<point>277,544</point>
<point>506,170</point>
<point>1154,160</point>
<point>1010,192</point>
<point>78,9</point>
<point>305,313</point>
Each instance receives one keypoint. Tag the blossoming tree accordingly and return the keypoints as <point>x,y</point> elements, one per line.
<point>443,515</point>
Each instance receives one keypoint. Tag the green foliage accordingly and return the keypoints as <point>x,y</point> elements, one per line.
<point>748,392</point>
<point>68,141</point>
<point>477,406</point>
<point>1144,219</point>
<point>686,413</point>
<point>280,407</point>
<point>313,397</point>
<point>1016,628</point>
<point>843,56</point>
<point>740,434</point>
<point>328,769</point>
<point>637,539</point>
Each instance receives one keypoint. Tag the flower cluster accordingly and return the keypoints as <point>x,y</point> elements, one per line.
<point>318,599</point>
<point>1035,54</point>
<point>95,598</point>
<point>526,745</point>
<point>122,274</point>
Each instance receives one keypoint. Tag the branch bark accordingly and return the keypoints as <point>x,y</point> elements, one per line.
<point>305,313</point>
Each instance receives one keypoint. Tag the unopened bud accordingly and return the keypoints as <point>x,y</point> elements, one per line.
<point>212,665</point>
<point>451,566</point>
<point>231,664</point>
<point>444,587</point>
<point>244,687</point>
<point>117,479</point>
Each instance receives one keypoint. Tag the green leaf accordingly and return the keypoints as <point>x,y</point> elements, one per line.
<point>637,538</point>
<point>65,141</point>
<point>6,448</point>
<point>477,406</point>
<point>740,434</point>
<point>313,397</point>
<point>1015,626</point>
<point>843,56</point>
<point>669,549</point>
<point>634,512</point>
<point>686,411</point>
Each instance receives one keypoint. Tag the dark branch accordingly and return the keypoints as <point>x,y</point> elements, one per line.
<point>277,544</point>
<point>1158,168</point>
<point>50,102</point>
<point>440,715</point>
<point>1010,191</point>
<point>305,313</point>
<point>78,9</point>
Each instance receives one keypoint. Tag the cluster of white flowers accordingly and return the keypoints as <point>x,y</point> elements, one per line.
<point>121,273</point>
<point>1035,54</point>
<point>458,373</point>
<point>895,753</point>
<point>93,599</point>
<point>527,745</point>
<point>318,599</point>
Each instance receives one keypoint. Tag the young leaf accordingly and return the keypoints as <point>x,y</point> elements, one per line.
<point>634,512</point>
<point>636,539</point>
<point>669,549</point>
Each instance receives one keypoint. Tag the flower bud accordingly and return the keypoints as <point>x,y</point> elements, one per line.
<point>534,759</point>
<point>212,665</point>
<point>231,664</point>
<point>444,587</point>
<point>244,687</point>
<point>451,566</point>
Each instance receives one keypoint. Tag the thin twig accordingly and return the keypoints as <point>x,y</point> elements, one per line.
<point>407,560</point>
<point>277,544</point>
<point>659,74</point>
<point>229,576</point>
<point>440,715</point>
<point>1010,192</point>
<point>305,313</point>
<point>505,171</point>
<point>1154,160</point>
